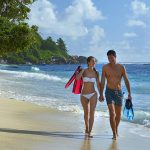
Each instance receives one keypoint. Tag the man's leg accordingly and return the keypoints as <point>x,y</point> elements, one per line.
<point>112,116</point>
<point>118,116</point>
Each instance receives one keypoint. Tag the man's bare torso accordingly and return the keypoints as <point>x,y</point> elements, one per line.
<point>113,74</point>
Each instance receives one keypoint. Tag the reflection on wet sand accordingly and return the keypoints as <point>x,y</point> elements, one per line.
<point>113,145</point>
<point>86,145</point>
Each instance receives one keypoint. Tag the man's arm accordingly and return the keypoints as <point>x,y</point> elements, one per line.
<point>127,83</point>
<point>102,84</point>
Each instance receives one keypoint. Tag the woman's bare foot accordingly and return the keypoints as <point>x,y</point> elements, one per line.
<point>86,131</point>
<point>89,135</point>
<point>114,136</point>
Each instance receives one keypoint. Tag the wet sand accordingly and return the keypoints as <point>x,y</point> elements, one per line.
<point>26,126</point>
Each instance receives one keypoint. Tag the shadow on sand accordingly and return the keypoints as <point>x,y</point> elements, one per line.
<point>76,135</point>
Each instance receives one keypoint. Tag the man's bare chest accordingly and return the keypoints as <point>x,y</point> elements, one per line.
<point>113,74</point>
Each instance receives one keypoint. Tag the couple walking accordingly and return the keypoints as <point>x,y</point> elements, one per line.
<point>113,73</point>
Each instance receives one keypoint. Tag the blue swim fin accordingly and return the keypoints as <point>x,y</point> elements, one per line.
<point>128,110</point>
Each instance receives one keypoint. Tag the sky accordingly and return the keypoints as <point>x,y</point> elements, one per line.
<point>92,27</point>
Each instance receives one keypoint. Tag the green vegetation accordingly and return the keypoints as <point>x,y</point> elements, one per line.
<point>19,43</point>
<point>15,34</point>
<point>41,52</point>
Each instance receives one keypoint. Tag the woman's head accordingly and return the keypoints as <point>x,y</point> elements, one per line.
<point>91,61</point>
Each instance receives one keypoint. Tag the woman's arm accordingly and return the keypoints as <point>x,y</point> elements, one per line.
<point>79,74</point>
<point>98,82</point>
<point>102,85</point>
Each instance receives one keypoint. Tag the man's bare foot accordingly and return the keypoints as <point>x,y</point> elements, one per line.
<point>117,133</point>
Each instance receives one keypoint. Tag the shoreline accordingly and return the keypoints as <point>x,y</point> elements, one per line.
<point>100,112</point>
<point>28,126</point>
<point>126,63</point>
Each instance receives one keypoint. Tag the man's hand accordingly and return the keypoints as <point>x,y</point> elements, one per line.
<point>101,98</point>
<point>129,96</point>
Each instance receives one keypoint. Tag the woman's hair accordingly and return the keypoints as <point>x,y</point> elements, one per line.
<point>88,60</point>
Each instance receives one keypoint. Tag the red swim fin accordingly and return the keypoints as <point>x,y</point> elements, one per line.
<point>77,86</point>
<point>70,80</point>
<point>72,77</point>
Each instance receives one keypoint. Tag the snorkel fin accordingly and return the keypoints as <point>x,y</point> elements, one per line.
<point>128,110</point>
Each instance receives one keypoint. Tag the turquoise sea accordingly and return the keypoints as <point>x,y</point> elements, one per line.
<point>44,85</point>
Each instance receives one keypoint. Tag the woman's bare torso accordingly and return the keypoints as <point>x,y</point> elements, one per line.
<point>88,87</point>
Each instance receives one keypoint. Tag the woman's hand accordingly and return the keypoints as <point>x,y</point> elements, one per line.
<point>79,73</point>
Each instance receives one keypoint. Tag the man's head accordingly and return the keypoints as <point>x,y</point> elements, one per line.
<point>111,54</point>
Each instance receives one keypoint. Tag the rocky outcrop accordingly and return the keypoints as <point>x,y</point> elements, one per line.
<point>76,60</point>
<point>58,60</point>
<point>70,60</point>
<point>82,59</point>
<point>55,60</point>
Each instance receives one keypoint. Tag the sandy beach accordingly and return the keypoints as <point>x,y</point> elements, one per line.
<point>26,126</point>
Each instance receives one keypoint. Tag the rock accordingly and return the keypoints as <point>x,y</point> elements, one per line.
<point>76,60</point>
<point>2,61</point>
<point>57,60</point>
<point>82,59</point>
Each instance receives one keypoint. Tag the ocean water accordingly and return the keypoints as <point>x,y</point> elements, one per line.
<point>44,85</point>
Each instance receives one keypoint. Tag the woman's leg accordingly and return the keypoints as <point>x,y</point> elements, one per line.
<point>93,102</point>
<point>85,105</point>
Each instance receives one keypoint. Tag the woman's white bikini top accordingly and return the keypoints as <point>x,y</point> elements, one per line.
<point>87,79</point>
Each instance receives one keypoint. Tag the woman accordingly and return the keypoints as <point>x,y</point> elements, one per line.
<point>89,95</point>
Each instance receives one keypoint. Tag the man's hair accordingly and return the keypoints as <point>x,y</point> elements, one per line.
<point>111,52</point>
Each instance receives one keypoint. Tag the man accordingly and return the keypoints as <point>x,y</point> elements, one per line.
<point>113,73</point>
